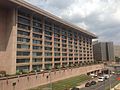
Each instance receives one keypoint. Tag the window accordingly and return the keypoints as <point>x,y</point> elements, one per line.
<point>56,35</point>
<point>48,48</point>
<point>56,39</point>
<point>26,27</point>
<point>56,49</point>
<point>24,60</point>
<point>37,60</point>
<point>70,59</point>
<point>56,44</point>
<point>22,68</point>
<point>37,67</point>
<point>23,21</point>
<point>70,50</point>
<point>47,22</point>
<point>48,27</point>
<point>70,42</point>
<point>64,50</point>
<point>57,59</point>
<point>23,13</point>
<point>37,42</point>
<point>48,59</point>
<point>37,48</point>
<point>48,38</point>
<point>23,46</point>
<point>69,38</point>
<point>57,54</point>
<point>26,40</point>
<point>48,43</point>
<point>37,18</point>
<point>64,54</point>
<point>38,25</point>
<point>37,36</point>
<point>48,33</point>
<point>64,45</point>
<point>37,53</point>
<point>64,41</point>
<point>70,54</point>
<point>48,54</point>
<point>37,30</point>
<point>23,33</point>
<point>21,53</point>
<point>64,59</point>
<point>64,37</point>
<point>64,33</point>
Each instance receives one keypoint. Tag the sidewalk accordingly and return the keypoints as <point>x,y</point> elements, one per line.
<point>117,87</point>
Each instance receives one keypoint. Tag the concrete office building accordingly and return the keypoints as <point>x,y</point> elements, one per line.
<point>103,51</point>
<point>33,39</point>
<point>117,50</point>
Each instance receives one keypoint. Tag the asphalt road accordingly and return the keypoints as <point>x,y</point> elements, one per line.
<point>103,85</point>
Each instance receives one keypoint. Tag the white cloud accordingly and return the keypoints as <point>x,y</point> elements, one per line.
<point>99,16</point>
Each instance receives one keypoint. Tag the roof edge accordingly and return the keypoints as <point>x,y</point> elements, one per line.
<point>45,13</point>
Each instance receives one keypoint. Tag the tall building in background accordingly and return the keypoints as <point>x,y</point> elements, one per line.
<point>117,50</point>
<point>103,51</point>
<point>33,39</point>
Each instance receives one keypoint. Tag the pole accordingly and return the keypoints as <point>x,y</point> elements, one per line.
<point>103,74</point>
<point>109,79</point>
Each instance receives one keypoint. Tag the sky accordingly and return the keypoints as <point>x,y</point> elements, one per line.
<point>101,17</point>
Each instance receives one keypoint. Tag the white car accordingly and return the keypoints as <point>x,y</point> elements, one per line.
<point>93,75</point>
<point>106,76</point>
<point>101,79</point>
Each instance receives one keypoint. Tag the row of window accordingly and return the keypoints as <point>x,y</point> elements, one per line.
<point>27,60</point>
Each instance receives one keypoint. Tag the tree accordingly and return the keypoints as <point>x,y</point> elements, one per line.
<point>117,59</point>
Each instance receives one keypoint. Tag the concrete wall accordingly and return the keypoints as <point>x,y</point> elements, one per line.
<point>31,81</point>
<point>7,40</point>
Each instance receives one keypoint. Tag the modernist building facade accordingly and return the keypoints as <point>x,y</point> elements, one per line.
<point>103,51</point>
<point>33,39</point>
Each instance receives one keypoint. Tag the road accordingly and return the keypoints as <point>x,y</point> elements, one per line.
<point>103,85</point>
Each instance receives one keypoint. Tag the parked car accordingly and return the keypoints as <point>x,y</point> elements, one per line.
<point>88,84</point>
<point>93,75</point>
<point>106,76</point>
<point>93,82</point>
<point>101,79</point>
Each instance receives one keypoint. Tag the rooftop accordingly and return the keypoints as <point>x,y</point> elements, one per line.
<point>19,3</point>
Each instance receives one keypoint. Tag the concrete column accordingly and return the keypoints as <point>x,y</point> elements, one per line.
<point>43,43</point>
<point>31,38</point>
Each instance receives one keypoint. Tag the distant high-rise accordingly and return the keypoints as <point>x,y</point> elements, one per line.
<point>117,50</point>
<point>103,51</point>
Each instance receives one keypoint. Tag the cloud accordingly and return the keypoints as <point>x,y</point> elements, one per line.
<point>101,17</point>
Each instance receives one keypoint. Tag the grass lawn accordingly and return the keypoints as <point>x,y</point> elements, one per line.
<point>66,83</point>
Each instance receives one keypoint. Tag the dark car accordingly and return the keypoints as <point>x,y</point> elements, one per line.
<point>93,82</point>
<point>88,84</point>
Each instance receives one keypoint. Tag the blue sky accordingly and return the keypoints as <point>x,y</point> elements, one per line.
<point>101,17</point>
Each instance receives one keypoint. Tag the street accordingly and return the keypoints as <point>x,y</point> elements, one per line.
<point>103,85</point>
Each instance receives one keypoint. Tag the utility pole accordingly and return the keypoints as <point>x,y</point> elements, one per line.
<point>109,78</point>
